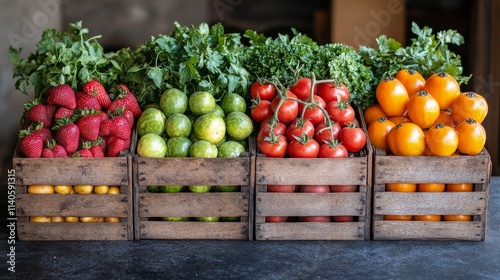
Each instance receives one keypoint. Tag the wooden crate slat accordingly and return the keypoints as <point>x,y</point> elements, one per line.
<point>71,171</point>
<point>430,203</point>
<point>311,231</point>
<point>92,205</point>
<point>417,230</point>
<point>193,171</point>
<point>310,204</point>
<point>72,231</point>
<point>193,230</point>
<point>428,169</point>
<point>317,171</point>
<point>193,204</point>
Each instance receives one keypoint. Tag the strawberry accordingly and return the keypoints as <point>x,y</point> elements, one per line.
<point>96,89</point>
<point>103,116</point>
<point>94,147</point>
<point>30,144</point>
<point>63,112</point>
<point>89,124</point>
<point>51,111</point>
<point>53,150</point>
<point>115,145</point>
<point>62,95</point>
<point>124,98</point>
<point>86,101</point>
<point>125,113</point>
<point>82,153</point>
<point>118,126</point>
<point>36,112</point>
<point>43,132</point>
<point>67,135</point>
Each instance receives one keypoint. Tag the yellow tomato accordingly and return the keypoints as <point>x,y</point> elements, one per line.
<point>445,118</point>
<point>373,113</point>
<point>469,105</point>
<point>377,131</point>
<point>459,187</point>
<point>401,187</point>
<point>444,88</point>
<point>392,96</point>
<point>471,137</point>
<point>458,218</point>
<point>411,79</point>
<point>406,139</point>
<point>441,140</point>
<point>423,109</point>
<point>433,187</point>
<point>429,218</point>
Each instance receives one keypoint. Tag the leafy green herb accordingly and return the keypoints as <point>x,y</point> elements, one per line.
<point>202,58</point>
<point>287,58</point>
<point>62,57</point>
<point>428,54</point>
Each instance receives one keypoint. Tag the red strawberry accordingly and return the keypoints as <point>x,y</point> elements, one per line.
<point>44,133</point>
<point>79,94</point>
<point>115,145</point>
<point>51,111</point>
<point>125,113</point>
<point>63,112</point>
<point>53,150</point>
<point>89,124</point>
<point>36,113</point>
<point>104,116</point>
<point>96,89</point>
<point>94,147</point>
<point>67,135</point>
<point>124,98</point>
<point>86,101</point>
<point>121,128</point>
<point>105,129</point>
<point>82,153</point>
<point>62,95</point>
<point>59,151</point>
<point>30,144</point>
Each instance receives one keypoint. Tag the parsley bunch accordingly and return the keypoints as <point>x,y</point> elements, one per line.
<point>202,58</point>
<point>428,54</point>
<point>62,58</point>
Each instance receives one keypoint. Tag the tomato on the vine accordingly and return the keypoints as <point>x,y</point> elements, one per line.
<point>264,91</point>
<point>441,140</point>
<point>330,91</point>
<point>279,129</point>
<point>289,108</point>
<point>275,146</point>
<point>298,127</point>
<point>303,147</point>
<point>392,96</point>
<point>341,112</point>
<point>261,111</point>
<point>313,111</point>
<point>323,133</point>
<point>302,89</point>
<point>352,137</point>
<point>332,150</point>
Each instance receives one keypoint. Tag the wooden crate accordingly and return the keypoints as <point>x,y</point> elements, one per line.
<point>354,170</point>
<point>113,171</point>
<point>194,171</point>
<point>430,169</point>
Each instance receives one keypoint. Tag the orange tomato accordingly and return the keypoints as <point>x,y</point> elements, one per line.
<point>459,187</point>
<point>406,139</point>
<point>444,88</point>
<point>377,131</point>
<point>398,217</point>
<point>432,187</point>
<point>457,218</point>
<point>400,187</point>
<point>471,137</point>
<point>428,218</point>
<point>392,96</point>
<point>373,113</point>
<point>445,118</point>
<point>423,109</point>
<point>398,119</point>
<point>441,140</point>
<point>469,105</point>
<point>411,79</point>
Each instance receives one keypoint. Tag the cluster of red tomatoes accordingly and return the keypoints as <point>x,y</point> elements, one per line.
<point>416,116</point>
<point>304,124</point>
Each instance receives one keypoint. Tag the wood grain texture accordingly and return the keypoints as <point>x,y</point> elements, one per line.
<point>72,231</point>
<point>310,231</point>
<point>193,230</point>
<point>416,230</point>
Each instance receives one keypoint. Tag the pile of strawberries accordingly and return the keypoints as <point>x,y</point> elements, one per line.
<point>89,123</point>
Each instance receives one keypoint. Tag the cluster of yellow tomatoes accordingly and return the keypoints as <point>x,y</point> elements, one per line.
<point>76,189</point>
<point>415,116</point>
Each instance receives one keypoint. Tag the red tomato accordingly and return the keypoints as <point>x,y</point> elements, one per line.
<point>353,138</point>
<point>330,91</point>
<point>279,129</point>
<point>305,148</point>
<point>322,133</point>
<point>302,89</point>
<point>332,150</point>
<point>281,188</point>
<point>313,112</point>
<point>343,188</point>
<point>261,111</point>
<point>288,110</point>
<point>298,127</point>
<point>314,189</point>
<point>276,219</point>
<point>276,147</point>
<point>264,91</point>
<point>340,112</point>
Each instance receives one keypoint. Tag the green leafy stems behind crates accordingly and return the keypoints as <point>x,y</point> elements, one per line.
<point>206,58</point>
